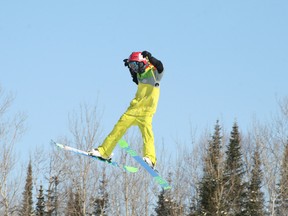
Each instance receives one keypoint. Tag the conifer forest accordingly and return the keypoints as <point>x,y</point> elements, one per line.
<point>223,171</point>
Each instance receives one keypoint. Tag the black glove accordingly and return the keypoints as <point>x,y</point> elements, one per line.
<point>125,62</point>
<point>146,54</point>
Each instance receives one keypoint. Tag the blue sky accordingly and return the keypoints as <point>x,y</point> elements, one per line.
<point>224,60</point>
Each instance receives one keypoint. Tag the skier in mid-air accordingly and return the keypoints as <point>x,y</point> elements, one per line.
<point>146,72</point>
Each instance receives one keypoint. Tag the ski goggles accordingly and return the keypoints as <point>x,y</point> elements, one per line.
<point>134,66</point>
<point>137,67</point>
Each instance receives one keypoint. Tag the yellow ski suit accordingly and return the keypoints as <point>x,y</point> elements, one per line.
<point>140,112</point>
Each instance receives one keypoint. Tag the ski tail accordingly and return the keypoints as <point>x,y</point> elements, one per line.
<point>161,181</point>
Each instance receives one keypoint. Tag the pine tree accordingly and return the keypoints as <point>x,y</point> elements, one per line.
<point>234,187</point>
<point>163,207</point>
<point>78,207</point>
<point>74,207</point>
<point>40,205</point>
<point>70,203</point>
<point>211,203</point>
<point>166,205</point>
<point>52,197</point>
<point>255,204</point>
<point>101,202</point>
<point>194,206</point>
<point>27,204</point>
<point>282,201</point>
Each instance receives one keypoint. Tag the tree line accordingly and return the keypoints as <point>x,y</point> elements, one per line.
<point>219,173</point>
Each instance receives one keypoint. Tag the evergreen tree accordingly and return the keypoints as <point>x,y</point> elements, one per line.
<point>255,204</point>
<point>282,199</point>
<point>166,205</point>
<point>74,207</point>
<point>40,205</point>
<point>52,197</point>
<point>234,188</point>
<point>193,207</point>
<point>211,189</point>
<point>162,208</point>
<point>78,207</point>
<point>27,204</point>
<point>70,204</point>
<point>101,202</point>
<point>49,203</point>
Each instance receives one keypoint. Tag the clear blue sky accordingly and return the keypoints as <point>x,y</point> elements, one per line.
<point>223,60</point>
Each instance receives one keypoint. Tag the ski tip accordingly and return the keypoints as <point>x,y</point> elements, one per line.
<point>123,143</point>
<point>131,169</point>
<point>167,187</point>
<point>59,145</point>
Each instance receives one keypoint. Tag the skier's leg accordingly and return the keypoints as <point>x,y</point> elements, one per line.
<point>145,125</point>
<point>115,135</point>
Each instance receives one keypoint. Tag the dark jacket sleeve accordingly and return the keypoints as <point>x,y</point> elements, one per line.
<point>134,76</point>
<point>157,63</point>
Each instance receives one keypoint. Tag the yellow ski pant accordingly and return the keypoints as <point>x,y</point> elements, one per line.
<point>145,125</point>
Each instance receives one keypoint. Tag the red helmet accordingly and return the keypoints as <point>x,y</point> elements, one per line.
<point>137,62</point>
<point>137,56</point>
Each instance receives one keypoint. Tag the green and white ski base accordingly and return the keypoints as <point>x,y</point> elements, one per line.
<point>162,182</point>
<point>85,153</point>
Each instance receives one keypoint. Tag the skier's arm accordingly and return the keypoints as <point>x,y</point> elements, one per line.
<point>157,63</point>
<point>133,74</point>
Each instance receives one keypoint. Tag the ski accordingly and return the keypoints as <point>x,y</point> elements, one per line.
<point>162,182</point>
<point>85,153</point>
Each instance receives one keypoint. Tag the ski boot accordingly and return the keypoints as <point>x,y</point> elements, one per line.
<point>149,162</point>
<point>96,153</point>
